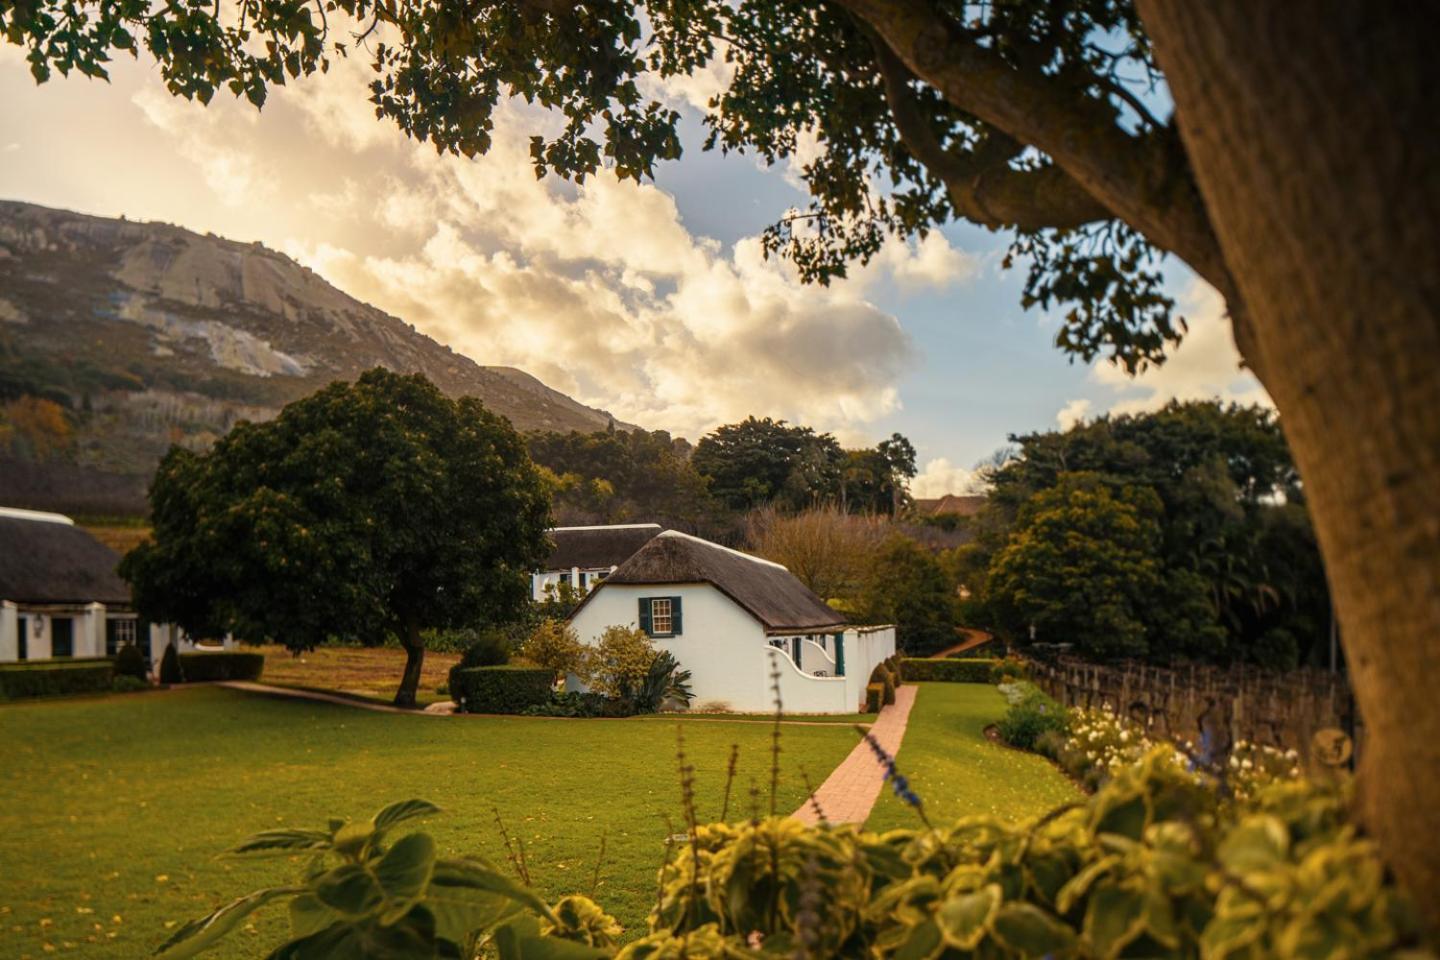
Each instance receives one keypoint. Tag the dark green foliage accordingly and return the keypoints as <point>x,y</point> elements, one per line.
<point>41,678</point>
<point>1203,517</point>
<point>887,688</point>
<point>571,704</point>
<point>946,670</point>
<point>613,476</point>
<point>130,662</point>
<point>1031,715</point>
<point>170,671</point>
<point>874,697</point>
<point>761,461</point>
<point>665,683</point>
<point>366,510</point>
<point>486,648</point>
<point>221,665</point>
<point>908,587</point>
<point>124,683</point>
<point>507,689</point>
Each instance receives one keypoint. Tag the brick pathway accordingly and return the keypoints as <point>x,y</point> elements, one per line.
<point>850,791</point>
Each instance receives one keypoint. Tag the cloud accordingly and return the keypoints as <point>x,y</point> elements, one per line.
<point>598,289</point>
<point>940,477</point>
<point>1072,413</point>
<point>1205,366</point>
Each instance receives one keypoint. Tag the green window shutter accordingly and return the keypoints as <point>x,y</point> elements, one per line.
<point>839,654</point>
<point>676,626</point>
<point>645,616</point>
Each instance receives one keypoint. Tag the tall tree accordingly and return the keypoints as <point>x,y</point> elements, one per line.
<point>1297,175</point>
<point>374,508</point>
<point>760,461</point>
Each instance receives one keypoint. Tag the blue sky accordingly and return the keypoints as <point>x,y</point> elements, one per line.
<point>653,302</point>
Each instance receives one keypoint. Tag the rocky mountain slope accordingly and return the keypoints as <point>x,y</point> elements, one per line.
<point>148,334</point>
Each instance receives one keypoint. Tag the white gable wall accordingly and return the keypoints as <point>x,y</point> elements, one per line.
<point>722,646</point>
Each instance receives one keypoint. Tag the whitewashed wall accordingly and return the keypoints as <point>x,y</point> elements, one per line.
<point>802,693</point>
<point>9,632</point>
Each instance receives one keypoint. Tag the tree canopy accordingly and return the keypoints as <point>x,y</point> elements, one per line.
<point>369,509</point>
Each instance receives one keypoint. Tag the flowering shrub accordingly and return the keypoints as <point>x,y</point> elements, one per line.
<point>1254,766</point>
<point>620,662</point>
<point>1156,863</point>
<point>1032,715</point>
<point>554,645</point>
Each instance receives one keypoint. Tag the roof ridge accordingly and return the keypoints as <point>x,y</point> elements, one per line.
<point>610,526</point>
<point>741,554</point>
<point>39,516</point>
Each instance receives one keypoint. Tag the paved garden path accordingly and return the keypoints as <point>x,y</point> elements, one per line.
<point>848,794</point>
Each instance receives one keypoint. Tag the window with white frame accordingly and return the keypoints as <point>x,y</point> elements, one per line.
<point>662,616</point>
<point>117,634</point>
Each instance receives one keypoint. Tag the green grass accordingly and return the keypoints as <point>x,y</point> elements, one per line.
<point>846,718</point>
<point>957,772</point>
<point>114,808</point>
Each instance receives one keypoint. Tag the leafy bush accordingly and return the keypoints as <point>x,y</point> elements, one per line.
<point>887,688</point>
<point>619,663</point>
<point>507,689</point>
<point>170,671</point>
<point>946,670</point>
<point>486,648</point>
<point>874,697</point>
<point>665,683</point>
<point>124,683</point>
<point>130,662</point>
<point>1008,669</point>
<point>1031,715</point>
<point>225,665</point>
<point>54,678</point>
<point>554,644</point>
<point>571,704</point>
<point>1154,864</point>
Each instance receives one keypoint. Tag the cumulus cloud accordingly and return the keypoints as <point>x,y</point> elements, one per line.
<point>940,476</point>
<point>1205,366</point>
<point>598,289</point>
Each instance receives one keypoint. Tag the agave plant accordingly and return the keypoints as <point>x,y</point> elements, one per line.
<point>361,897</point>
<point>664,681</point>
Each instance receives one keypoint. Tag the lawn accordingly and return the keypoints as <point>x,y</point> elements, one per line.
<point>369,672</point>
<point>956,771</point>
<point>116,807</point>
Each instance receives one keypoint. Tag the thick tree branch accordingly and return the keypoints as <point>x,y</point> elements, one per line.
<point>1142,180</point>
<point>981,184</point>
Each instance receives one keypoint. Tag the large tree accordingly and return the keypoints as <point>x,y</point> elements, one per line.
<point>762,461</point>
<point>1299,173</point>
<point>369,509</point>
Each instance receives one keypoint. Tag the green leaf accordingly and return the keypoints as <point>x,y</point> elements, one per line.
<point>352,839</point>
<point>202,934</point>
<point>923,943</point>
<point>350,889</point>
<point>402,811</point>
<point>1125,816</point>
<point>308,915</point>
<point>404,872</point>
<point>284,841</point>
<point>1031,931</point>
<point>462,911</point>
<point>964,919</point>
<point>1224,936</point>
<point>338,941</point>
<point>1114,917</point>
<point>478,876</point>
<point>1260,843</point>
<point>1079,884</point>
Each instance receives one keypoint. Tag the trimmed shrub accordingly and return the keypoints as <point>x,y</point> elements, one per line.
<point>130,662</point>
<point>887,688</point>
<point>945,670</point>
<point>489,648</point>
<point>55,678</point>
<point>874,695</point>
<point>170,671</point>
<point>507,689</point>
<point>124,683</point>
<point>222,665</point>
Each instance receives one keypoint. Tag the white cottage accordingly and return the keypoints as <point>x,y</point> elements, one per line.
<point>732,620</point>
<point>583,556</point>
<point>61,597</point>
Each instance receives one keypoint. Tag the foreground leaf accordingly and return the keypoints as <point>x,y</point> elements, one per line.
<point>202,934</point>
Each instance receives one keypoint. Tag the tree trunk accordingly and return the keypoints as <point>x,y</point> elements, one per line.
<point>1311,129</point>
<point>414,658</point>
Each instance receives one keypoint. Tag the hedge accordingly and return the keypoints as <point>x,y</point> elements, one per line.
<point>504,689</point>
<point>227,665</point>
<point>874,694</point>
<point>946,670</point>
<point>53,678</point>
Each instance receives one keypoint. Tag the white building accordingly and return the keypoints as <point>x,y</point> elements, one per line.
<point>733,620</point>
<point>583,556</point>
<point>61,597</point>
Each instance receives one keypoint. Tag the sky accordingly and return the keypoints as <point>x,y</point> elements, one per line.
<point>653,301</point>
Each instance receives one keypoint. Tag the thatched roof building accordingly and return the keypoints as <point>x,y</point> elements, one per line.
<point>598,548</point>
<point>767,591</point>
<point>46,559</point>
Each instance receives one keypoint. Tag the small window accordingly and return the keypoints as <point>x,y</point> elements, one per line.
<point>118,633</point>
<point>62,637</point>
<point>662,616</point>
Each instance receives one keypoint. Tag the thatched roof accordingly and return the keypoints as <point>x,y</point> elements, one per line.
<point>951,503</point>
<point>594,548</point>
<point>768,591</point>
<point>46,559</point>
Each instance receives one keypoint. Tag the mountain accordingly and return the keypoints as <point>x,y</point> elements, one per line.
<point>146,334</point>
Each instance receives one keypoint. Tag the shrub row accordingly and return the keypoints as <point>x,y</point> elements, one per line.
<point>501,689</point>
<point>946,670</point>
<point>52,678</point>
<point>225,665</point>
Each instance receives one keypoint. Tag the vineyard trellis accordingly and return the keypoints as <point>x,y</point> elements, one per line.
<point>1214,706</point>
